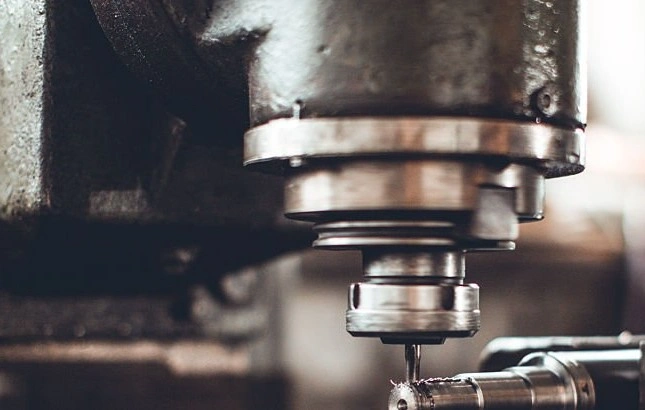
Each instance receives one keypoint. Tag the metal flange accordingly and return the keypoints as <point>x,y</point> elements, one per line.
<point>560,151</point>
<point>412,312</point>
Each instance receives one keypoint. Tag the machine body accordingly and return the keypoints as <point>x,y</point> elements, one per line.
<point>415,132</point>
<point>459,156</point>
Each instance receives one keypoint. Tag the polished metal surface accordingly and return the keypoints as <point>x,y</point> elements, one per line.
<point>413,297</point>
<point>414,200</point>
<point>409,312</point>
<point>616,375</point>
<point>400,327</point>
<point>412,362</point>
<point>375,297</point>
<point>422,264</point>
<point>503,352</point>
<point>559,150</point>
<point>413,235</point>
<point>373,185</point>
<point>431,203</point>
<point>542,381</point>
<point>574,387</point>
<point>414,219</point>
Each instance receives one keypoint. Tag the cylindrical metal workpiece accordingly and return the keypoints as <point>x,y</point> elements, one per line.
<point>616,375</point>
<point>543,381</point>
<point>504,390</point>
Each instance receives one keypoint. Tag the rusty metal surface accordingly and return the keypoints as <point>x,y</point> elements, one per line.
<point>81,137</point>
<point>499,59</point>
<point>510,59</point>
<point>88,152</point>
<point>112,211</point>
<point>151,37</point>
<point>22,29</point>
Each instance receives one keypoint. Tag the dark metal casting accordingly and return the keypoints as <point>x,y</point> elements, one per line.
<point>499,59</point>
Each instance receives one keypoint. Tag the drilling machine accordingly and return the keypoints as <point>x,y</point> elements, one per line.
<point>415,132</point>
<point>437,144</point>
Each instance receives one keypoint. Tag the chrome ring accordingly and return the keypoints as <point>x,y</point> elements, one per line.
<point>560,150</point>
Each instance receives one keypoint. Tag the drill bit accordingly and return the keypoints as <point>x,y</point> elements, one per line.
<point>412,362</point>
